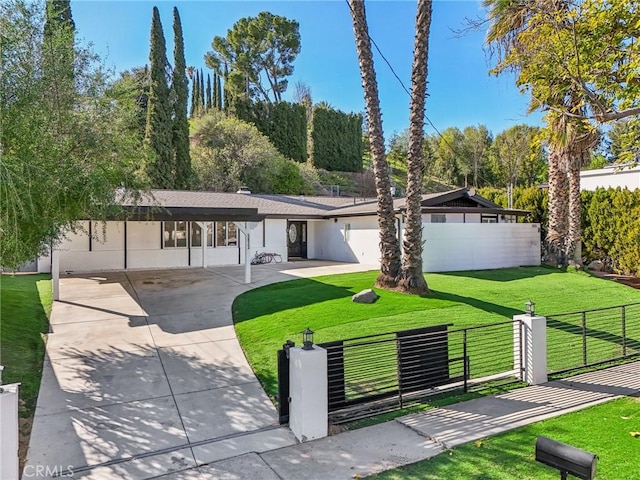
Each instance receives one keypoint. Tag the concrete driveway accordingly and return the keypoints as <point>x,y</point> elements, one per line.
<point>144,374</point>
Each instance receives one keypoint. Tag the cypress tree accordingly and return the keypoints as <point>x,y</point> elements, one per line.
<point>196,94</point>
<point>182,160</point>
<point>202,92</point>
<point>208,92</point>
<point>194,82</point>
<point>59,52</point>
<point>214,102</point>
<point>219,95</point>
<point>158,134</point>
<point>228,97</point>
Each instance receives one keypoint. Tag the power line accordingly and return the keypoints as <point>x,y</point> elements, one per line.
<point>403,85</point>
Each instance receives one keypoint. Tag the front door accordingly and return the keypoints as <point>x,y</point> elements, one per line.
<point>297,239</point>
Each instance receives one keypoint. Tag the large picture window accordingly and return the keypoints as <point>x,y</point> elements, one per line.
<point>196,235</point>
<point>226,234</point>
<point>175,234</point>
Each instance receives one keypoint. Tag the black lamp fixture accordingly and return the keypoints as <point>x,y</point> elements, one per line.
<point>530,308</point>
<point>307,339</point>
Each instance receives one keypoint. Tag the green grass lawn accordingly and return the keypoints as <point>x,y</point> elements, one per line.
<point>603,430</point>
<point>25,306</point>
<point>266,317</point>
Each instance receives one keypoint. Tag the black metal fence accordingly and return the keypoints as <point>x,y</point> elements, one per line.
<point>590,337</point>
<point>378,373</point>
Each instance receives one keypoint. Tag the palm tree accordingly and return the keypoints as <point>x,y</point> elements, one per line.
<point>389,246</point>
<point>411,277</point>
<point>508,19</point>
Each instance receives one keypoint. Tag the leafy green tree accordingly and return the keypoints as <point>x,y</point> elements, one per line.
<point>132,88</point>
<point>59,51</point>
<point>81,153</point>
<point>336,138</point>
<point>475,154</point>
<point>517,157</point>
<point>180,92</point>
<point>159,131</point>
<point>259,53</point>
<point>218,92</point>
<point>229,153</point>
<point>447,149</point>
<point>623,141</point>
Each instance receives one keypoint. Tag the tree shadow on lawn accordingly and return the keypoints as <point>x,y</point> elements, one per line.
<point>504,274</point>
<point>488,307</point>
<point>285,296</point>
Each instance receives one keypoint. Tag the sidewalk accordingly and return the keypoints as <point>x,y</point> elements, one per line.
<point>423,435</point>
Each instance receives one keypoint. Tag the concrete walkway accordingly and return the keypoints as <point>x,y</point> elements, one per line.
<point>423,435</point>
<point>144,374</point>
<point>144,378</point>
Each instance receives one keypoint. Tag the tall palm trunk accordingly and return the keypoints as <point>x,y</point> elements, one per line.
<point>574,237</point>
<point>558,201</point>
<point>389,246</point>
<point>411,277</point>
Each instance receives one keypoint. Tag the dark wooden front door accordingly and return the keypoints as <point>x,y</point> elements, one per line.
<point>297,239</point>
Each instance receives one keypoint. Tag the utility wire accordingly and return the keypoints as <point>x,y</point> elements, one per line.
<point>403,85</point>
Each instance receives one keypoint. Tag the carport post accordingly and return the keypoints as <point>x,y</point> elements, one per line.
<point>247,262</point>
<point>55,273</point>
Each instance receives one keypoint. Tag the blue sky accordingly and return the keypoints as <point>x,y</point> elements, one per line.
<point>461,92</point>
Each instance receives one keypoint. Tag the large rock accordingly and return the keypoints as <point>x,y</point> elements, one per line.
<point>365,296</point>
<point>596,266</point>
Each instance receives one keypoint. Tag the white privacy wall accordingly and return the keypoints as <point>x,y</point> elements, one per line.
<point>609,177</point>
<point>478,246</point>
<point>361,244</point>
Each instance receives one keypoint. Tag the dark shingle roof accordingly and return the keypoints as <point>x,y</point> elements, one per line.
<point>300,206</point>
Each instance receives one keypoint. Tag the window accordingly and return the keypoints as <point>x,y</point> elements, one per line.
<point>347,232</point>
<point>488,218</point>
<point>438,218</point>
<point>174,234</point>
<point>196,235</point>
<point>209,234</point>
<point>226,234</point>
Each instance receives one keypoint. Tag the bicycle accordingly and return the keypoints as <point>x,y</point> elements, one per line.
<point>264,257</point>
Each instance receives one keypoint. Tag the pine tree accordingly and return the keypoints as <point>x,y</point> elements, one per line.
<point>208,92</point>
<point>182,160</point>
<point>219,95</point>
<point>158,134</point>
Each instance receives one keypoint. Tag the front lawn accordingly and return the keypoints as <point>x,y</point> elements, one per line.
<point>266,317</point>
<point>604,430</point>
<point>24,312</point>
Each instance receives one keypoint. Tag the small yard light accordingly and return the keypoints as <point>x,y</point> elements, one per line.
<point>307,339</point>
<point>531,308</point>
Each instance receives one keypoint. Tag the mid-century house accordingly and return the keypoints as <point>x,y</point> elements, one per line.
<point>171,229</point>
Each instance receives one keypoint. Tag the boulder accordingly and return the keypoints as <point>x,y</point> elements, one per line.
<point>365,296</point>
<point>596,266</point>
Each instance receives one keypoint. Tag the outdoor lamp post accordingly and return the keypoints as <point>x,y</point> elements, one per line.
<point>531,308</point>
<point>307,339</point>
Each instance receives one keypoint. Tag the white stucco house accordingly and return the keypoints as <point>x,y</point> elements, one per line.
<point>614,176</point>
<point>172,229</point>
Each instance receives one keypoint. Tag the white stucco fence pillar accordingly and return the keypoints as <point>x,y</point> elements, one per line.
<point>309,405</point>
<point>533,332</point>
<point>9,431</point>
